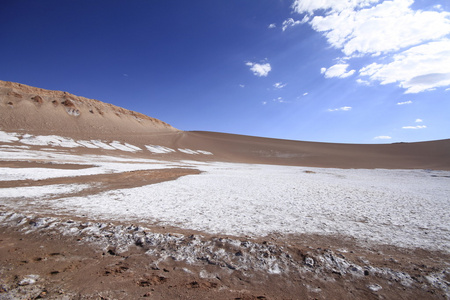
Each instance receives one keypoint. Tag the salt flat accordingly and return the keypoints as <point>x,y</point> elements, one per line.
<point>408,208</point>
<point>403,208</point>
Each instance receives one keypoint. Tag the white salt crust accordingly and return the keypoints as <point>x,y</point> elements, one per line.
<point>64,142</point>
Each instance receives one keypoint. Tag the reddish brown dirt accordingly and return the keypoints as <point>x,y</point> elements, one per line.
<point>68,267</point>
<point>112,181</point>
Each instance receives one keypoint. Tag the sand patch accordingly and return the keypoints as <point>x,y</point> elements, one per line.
<point>105,182</point>
<point>36,164</point>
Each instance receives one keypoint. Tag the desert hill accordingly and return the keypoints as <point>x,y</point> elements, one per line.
<point>37,110</point>
<point>26,109</point>
<point>421,155</point>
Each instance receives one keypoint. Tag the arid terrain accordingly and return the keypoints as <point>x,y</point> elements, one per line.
<point>99,202</point>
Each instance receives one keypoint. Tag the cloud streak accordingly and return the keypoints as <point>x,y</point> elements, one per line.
<point>415,127</point>
<point>280,100</point>
<point>279,85</point>
<point>382,137</point>
<point>343,108</point>
<point>291,22</point>
<point>338,70</point>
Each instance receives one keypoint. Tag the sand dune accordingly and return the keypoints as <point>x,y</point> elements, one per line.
<point>424,155</point>
<point>36,110</point>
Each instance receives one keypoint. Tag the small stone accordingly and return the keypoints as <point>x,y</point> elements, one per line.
<point>374,287</point>
<point>309,261</point>
<point>29,279</point>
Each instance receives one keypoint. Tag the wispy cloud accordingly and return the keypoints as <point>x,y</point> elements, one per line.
<point>343,108</point>
<point>242,85</point>
<point>415,127</point>
<point>280,100</point>
<point>382,137</point>
<point>273,25</point>
<point>305,94</point>
<point>362,82</point>
<point>291,22</point>
<point>405,102</point>
<point>419,120</point>
<point>338,70</point>
<point>261,70</point>
<point>415,53</point>
<point>279,85</point>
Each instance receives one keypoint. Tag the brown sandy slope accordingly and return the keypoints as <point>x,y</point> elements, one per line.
<point>33,109</point>
<point>422,155</point>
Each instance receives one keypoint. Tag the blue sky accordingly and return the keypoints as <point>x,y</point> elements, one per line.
<point>349,71</point>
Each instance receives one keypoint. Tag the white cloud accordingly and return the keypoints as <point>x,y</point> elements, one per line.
<point>309,6</point>
<point>261,70</point>
<point>415,127</point>
<point>279,85</point>
<point>416,52</point>
<point>338,70</point>
<point>388,26</point>
<point>421,68</point>
<point>304,94</point>
<point>362,82</point>
<point>273,25</point>
<point>264,102</point>
<point>405,102</point>
<point>382,137</point>
<point>291,22</point>
<point>419,120</point>
<point>242,85</point>
<point>343,108</point>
